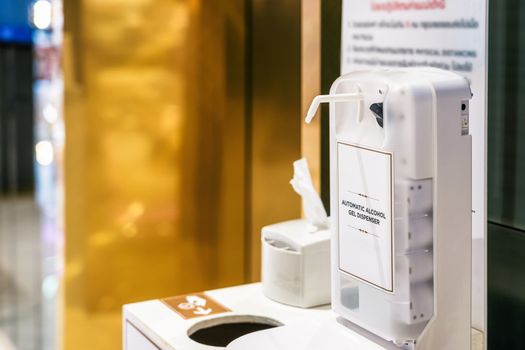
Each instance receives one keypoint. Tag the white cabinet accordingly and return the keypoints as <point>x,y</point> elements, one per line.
<point>135,340</point>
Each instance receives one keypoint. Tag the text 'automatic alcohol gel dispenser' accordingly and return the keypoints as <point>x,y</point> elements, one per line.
<point>400,168</point>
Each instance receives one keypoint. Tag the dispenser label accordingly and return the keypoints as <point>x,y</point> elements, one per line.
<point>365,229</point>
<point>194,305</point>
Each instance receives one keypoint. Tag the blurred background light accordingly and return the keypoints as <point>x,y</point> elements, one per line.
<point>44,153</point>
<point>50,286</point>
<point>50,113</point>
<point>42,11</point>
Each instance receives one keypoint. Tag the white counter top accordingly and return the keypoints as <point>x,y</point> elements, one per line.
<point>155,325</point>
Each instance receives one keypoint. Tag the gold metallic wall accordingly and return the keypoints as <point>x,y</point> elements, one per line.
<point>311,84</point>
<point>183,118</point>
<point>155,156</point>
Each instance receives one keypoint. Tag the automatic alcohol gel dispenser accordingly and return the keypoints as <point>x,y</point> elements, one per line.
<point>400,178</point>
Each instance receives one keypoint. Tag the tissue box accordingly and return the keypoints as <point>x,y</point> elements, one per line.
<point>296,263</point>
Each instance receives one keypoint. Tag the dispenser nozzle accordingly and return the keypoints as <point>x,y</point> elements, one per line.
<point>329,98</point>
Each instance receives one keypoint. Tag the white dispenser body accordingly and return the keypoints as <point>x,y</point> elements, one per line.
<point>401,204</point>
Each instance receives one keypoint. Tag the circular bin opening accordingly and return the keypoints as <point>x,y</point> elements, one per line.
<point>221,331</point>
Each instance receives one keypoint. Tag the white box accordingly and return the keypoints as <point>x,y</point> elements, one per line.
<point>296,263</point>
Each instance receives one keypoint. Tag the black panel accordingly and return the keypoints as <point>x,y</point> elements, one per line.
<point>506,170</point>
<point>506,113</point>
<point>331,12</point>
<point>16,118</point>
<point>506,288</point>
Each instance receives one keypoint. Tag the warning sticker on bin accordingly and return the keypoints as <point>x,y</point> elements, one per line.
<point>195,305</point>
